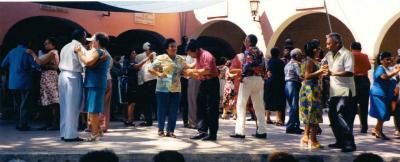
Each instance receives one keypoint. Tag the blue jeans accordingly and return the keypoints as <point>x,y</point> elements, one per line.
<point>292,89</point>
<point>167,105</point>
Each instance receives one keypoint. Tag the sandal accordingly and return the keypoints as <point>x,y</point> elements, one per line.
<point>279,124</point>
<point>303,141</point>
<point>161,133</point>
<point>381,136</point>
<point>170,134</point>
<point>373,132</point>
<point>315,145</point>
<point>224,116</point>
<point>93,138</point>
<point>234,117</point>
<point>397,134</point>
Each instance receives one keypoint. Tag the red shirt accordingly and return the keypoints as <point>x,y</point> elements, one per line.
<point>237,64</point>
<point>361,63</point>
<point>206,61</point>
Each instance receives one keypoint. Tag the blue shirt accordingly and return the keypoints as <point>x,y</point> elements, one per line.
<point>292,71</point>
<point>20,65</point>
<point>96,77</point>
<point>382,87</point>
<point>131,73</point>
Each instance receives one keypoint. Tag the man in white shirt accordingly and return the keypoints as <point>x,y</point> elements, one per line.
<point>342,108</point>
<point>70,88</point>
<point>147,86</point>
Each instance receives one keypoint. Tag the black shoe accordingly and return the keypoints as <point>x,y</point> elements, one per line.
<point>210,138</point>
<point>349,148</point>
<point>237,136</point>
<point>62,138</point>
<point>145,124</point>
<point>262,136</point>
<point>382,136</point>
<point>199,136</point>
<point>82,127</point>
<point>128,123</point>
<point>23,128</point>
<point>270,122</point>
<point>186,125</point>
<point>335,145</point>
<point>364,130</point>
<point>294,131</point>
<point>77,139</point>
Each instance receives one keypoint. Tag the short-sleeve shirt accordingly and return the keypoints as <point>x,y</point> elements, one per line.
<point>173,68</point>
<point>382,87</point>
<point>361,64</point>
<point>253,58</point>
<point>96,77</point>
<point>292,71</point>
<point>20,65</point>
<point>206,61</point>
<point>131,73</point>
<point>144,75</point>
<point>342,61</point>
<point>69,61</point>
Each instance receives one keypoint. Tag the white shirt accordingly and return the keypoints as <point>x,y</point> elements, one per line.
<point>69,60</point>
<point>343,61</point>
<point>190,60</point>
<point>144,74</point>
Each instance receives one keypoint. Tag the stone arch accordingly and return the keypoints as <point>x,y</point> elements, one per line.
<point>134,39</point>
<point>305,26</point>
<point>223,36</point>
<point>389,37</point>
<point>38,28</point>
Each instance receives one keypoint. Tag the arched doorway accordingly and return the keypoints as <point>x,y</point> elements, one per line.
<point>390,37</point>
<point>217,46</point>
<point>134,39</point>
<point>222,38</point>
<point>36,29</point>
<point>39,28</point>
<point>306,26</point>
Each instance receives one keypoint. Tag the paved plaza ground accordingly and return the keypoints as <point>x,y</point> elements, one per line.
<point>142,143</point>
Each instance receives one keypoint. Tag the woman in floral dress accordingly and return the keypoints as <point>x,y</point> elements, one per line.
<point>229,94</point>
<point>310,109</point>
<point>49,82</point>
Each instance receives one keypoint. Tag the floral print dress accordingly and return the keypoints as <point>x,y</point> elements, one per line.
<point>49,84</point>
<point>229,91</point>
<point>310,109</point>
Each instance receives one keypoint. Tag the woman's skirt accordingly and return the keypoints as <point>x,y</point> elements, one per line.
<point>380,107</point>
<point>94,99</point>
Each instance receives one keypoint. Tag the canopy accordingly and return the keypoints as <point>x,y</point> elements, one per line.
<point>151,6</point>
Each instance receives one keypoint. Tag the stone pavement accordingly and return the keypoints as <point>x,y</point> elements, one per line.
<point>142,143</point>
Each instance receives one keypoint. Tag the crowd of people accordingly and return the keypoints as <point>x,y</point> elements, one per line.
<point>81,86</point>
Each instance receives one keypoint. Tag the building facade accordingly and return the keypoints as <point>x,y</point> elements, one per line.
<point>221,28</point>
